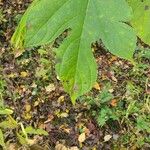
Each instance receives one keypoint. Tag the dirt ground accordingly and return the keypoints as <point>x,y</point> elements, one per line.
<point>36,96</point>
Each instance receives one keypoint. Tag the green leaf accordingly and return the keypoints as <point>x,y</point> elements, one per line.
<point>89,21</point>
<point>2,143</point>
<point>143,123</point>
<point>105,114</point>
<point>141,18</point>
<point>5,111</point>
<point>18,37</point>
<point>105,96</point>
<point>22,140</point>
<point>9,123</point>
<point>31,130</point>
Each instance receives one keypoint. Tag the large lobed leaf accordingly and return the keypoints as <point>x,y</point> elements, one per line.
<point>141,18</point>
<point>89,21</point>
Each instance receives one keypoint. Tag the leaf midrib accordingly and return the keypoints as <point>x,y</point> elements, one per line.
<point>86,8</point>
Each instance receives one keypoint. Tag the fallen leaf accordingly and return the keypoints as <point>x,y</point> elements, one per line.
<point>61,99</point>
<point>23,74</point>
<point>114,78</point>
<point>12,75</point>
<point>107,137</point>
<point>113,103</point>
<point>27,116</point>
<point>86,131</point>
<point>13,146</point>
<point>115,136</point>
<point>81,137</point>
<point>50,118</point>
<point>36,103</point>
<point>97,86</point>
<point>64,115</point>
<point>113,58</point>
<point>73,148</point>
<point>36,147</point>
<point>50,88</point>
<point>65,128</point>
<point>28,107</point>
<point>60,147</point>
<point>18,52</point>
<point>31,141</point>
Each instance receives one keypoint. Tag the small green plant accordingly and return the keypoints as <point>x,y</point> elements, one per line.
<point>22,133</point>
<point>2,86</point>
<point>102,101</point>
<point>89,21</point>
<point>2,143</point>
<point>143,123</point>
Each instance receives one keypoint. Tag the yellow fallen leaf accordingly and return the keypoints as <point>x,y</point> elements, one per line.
<point>23,74</point>
<point>36,103</point>
<point>27,116</point>
<point>81,137</point>
<point>64,115</point>
<point>65,128</point>
<point>28,107</point>
<point>97,86</point>
<point>94,148</point>
<point>12,75</point>
<point>61,99</point>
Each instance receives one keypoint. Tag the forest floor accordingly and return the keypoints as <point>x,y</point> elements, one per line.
<point>115,115</point>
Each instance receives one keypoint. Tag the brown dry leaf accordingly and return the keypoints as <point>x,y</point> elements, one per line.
<point>74,148</point>
<point>12,146</point>
<point>18,52</point>
<point>97,86</point>
<point>50,118</point>
<point>81,137</point>
<point>36,147</point>
<point>114,79</point>
<point>50,88</point>
<point>60,147</point>
<point>86,131</point>
<point>134,147</point>
<point>65,128</point>
<point>113,58</point>
<point>113,103</point>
